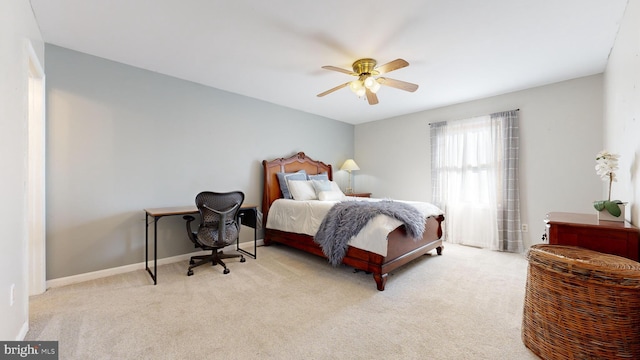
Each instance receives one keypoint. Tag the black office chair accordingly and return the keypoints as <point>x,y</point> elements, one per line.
<point>219,227</point>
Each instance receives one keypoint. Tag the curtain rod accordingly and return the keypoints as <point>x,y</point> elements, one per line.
<point>473,116</point>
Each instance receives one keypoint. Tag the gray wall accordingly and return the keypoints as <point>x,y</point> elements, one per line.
<point>121,139</point>
<point>560,131</point>
<point>17,27</point>
<point>622,111</point>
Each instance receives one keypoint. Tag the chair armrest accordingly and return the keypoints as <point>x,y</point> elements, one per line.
<point>192,235</point>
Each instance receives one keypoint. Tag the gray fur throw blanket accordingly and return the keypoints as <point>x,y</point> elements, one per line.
<point>345,220</point>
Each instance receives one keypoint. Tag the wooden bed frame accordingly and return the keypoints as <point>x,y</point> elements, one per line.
<point>401,248</point>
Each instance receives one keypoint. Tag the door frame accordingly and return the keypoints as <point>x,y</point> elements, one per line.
<point>35,187</point>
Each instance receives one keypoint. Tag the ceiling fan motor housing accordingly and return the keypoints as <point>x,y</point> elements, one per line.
<point>364,66</point>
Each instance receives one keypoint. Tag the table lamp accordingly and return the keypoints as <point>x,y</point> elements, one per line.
<point>349,166</point>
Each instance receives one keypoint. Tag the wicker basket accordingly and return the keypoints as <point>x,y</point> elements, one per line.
<point>581,304</point>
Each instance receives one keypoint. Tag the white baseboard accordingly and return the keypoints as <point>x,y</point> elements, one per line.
<point>128,268</point>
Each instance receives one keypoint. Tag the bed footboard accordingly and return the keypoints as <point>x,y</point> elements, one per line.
<point>401,249</point>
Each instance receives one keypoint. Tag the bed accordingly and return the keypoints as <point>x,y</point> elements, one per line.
<point>401,249</point>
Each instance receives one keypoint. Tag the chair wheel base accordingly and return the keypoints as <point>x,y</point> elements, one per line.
<point>242,259</point>
<point>226,271</point>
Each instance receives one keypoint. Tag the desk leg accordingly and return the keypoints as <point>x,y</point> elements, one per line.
<point>255,246</point>
<point>155,248</point>
<point>255,242</point>
<point>146,240</point>
<point>254,213</point>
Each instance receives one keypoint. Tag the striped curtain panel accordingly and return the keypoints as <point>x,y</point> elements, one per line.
<point>509,226</point>
<point>474,170</point>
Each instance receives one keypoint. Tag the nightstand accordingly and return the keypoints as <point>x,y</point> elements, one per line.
<point>365,195</point>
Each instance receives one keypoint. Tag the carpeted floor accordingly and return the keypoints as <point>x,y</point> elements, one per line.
<point>465,304</point>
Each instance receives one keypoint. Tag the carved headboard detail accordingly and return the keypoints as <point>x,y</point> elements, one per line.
<point>297,162</point>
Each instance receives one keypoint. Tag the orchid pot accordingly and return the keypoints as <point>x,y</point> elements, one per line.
<point>610,210</point>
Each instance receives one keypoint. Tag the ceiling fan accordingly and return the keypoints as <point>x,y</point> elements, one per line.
<point>368,83</point>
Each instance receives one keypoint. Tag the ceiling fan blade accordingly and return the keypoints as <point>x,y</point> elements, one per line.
<point>392,65</point>
<point>372,97</point>
<point>344,71</point>
<point>333,89</point>
<point>398,84</point>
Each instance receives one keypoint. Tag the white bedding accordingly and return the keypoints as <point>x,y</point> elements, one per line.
<point>305,217</point>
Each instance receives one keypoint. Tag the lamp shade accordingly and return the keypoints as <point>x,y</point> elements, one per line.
<point>349,165</point>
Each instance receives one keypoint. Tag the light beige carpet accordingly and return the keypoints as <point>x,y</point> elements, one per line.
<point>465,304</point>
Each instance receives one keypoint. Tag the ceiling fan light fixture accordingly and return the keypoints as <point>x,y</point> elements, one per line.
<point>375,87</point>
<point>372,84</point>
<point>355,85</point>
<point>368,82</point>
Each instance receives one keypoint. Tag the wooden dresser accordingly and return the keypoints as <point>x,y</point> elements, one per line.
<point>584,230</point>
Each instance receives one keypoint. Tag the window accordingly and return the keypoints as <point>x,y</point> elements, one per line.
<point>474,164</point>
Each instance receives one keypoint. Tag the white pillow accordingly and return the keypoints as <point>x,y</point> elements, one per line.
<point>336,187</point>
<point>322,185</point>
<point>302,190</point>
<point>331,195</point>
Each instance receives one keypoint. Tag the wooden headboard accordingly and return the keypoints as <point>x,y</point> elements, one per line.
<point>291,164</point>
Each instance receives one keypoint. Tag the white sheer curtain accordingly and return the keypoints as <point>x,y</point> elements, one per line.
<point>474,166</point>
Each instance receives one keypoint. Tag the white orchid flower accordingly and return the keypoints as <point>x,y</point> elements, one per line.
<point>606,166</point>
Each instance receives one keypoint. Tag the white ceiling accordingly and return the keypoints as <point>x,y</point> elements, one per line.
<point>273,50</point>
